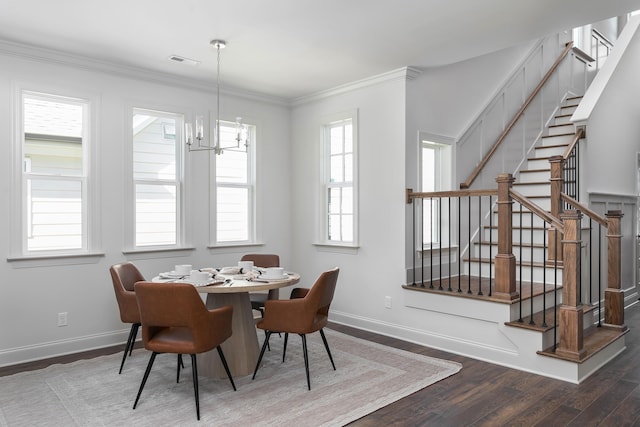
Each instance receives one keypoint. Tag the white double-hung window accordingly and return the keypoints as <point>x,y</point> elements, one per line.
<point>157,179</point>
<point>339,225</point>
<point>235,186</point>
<point>51,217</point>
<point>435,175</point>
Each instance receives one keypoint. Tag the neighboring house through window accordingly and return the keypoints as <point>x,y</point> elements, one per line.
<point>235,186</point>
<point>157,179</point>
<point>54,153</point>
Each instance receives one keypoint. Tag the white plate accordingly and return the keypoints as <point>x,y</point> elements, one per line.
<point>172,275</point>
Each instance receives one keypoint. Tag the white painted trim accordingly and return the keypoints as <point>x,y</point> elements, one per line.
<point>51,349</point>
<point>404,73</point>
<point>64,58</point>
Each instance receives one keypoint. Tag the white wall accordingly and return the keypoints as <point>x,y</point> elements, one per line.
<point>390,113</point>
<point>32,293</point>
<point>613,125</point>
<point>373,270</point>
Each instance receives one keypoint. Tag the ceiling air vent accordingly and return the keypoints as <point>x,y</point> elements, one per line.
<point>183,60</point>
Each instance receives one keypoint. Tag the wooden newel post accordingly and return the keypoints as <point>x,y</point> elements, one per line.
<point>505,261</point>
<point>557,181</point>
<point>570,315</point>
<point>614,295</point>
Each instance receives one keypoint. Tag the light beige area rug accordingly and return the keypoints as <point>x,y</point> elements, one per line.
<point>91,393</point>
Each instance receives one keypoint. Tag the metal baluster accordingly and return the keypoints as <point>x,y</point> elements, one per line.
<point>490,245</point>
<point>520,267</point>
<point>449,253</point>
<point>440,240</point>
<point>459,246</point>
<point>480,245</point>
<point>531,322</point>
<point>544,274</point>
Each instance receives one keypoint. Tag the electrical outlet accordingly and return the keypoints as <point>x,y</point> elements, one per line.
<point>387,302</point>
<point>62,319</point>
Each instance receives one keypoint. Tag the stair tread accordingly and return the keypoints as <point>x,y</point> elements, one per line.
<point>560,134</point>
<point>540,321</point>
<point>534,170</point>
<point>532,183</point>
<point>593,342</point>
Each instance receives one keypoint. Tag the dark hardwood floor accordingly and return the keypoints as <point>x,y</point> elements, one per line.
<point>482,394</point>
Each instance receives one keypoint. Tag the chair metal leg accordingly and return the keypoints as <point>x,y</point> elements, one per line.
<point>326,345</point>
<point>264,347</point>
<point>226,367</point>
<point>180,364</point>
<point>135,327</point>
<point>194,371</point>
<point>306,359</point>
<point>128,348</point>
<point>265,336</point>
<point>284,348</point>
<point>144,378</point>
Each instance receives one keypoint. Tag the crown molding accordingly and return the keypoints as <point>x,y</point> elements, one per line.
<point>37,53</point>
<point>404,73</point>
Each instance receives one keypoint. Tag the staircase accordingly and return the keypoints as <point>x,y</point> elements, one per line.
<point>540,277</point>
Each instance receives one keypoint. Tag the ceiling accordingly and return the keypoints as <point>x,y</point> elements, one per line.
<point>291,48</point>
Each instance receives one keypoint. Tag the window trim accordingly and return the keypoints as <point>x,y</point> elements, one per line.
<point>445,155</point>
<point>182,237</point>
<point>91,207</point>
<point>251,186</point>
<point>325,161</point>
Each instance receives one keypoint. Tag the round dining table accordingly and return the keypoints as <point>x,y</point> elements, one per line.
<point>241,349</point>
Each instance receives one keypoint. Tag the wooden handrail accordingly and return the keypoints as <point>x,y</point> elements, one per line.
<point>515,118</point>
<point>557,224</point>
<point>578,137</point>
<point>411,195</point>
<point>585,210</point>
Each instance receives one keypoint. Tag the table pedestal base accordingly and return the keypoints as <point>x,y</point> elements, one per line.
<point>241,349</point>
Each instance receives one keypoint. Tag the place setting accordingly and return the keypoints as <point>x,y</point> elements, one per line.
<point>184,273</point>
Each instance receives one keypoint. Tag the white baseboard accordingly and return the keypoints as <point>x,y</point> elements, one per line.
<point>14,356</point>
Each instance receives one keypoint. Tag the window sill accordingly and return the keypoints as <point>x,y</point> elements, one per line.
<point>234,245</point>
<point>156,250</point>
<point>54,259</point>
<point>337,247</point>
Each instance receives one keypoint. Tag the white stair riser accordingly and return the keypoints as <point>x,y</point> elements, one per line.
<point>538,273</point>
<point>539,304</point>
<point>533,189</point>
<point>538,176</point>
<point>533,163</point>
<point>564,139</point>
<point>562,120</point>
<point>538,236</point>
<point>568,109</point>
<point>560,130</point>
<point>482,251</point>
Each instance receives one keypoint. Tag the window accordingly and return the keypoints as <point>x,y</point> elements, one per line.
<point>235,187</point>
<point>157,179</point>
<point>54,148</point>
<point>340,191</point>
<point>435,175</point>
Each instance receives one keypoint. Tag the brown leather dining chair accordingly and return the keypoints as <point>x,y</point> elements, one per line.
<point>124,276</point>
<point>306,312</point>
<point>264,261</point>
<point>175,320</point>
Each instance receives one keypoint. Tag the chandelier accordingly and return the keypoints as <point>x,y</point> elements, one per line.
<point>196,141</point>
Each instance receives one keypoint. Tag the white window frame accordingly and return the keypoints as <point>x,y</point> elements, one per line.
<point>249,185</point>
<point>178,182</point>
<point>327,124</point>
<point>443,177</point>
<point>90,239</point>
